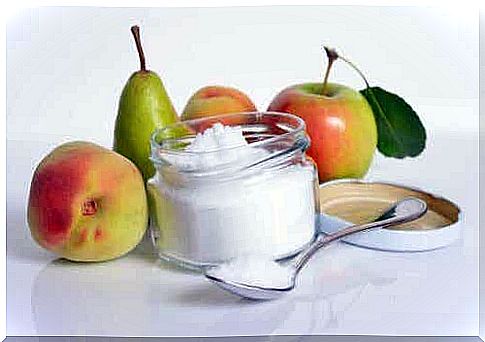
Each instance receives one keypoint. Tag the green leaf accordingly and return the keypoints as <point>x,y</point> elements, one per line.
<point>400,131</point>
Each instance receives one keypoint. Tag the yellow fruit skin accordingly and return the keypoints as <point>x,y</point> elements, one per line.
<point>341,127</point>
<point>216,100</point>
<point>144,106</point>
<point>87,203</point>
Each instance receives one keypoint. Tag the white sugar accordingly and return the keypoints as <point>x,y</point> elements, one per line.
<point>212,220</point>
<point>217,146</point>
<point>218,137</point>
<point>255,270</point>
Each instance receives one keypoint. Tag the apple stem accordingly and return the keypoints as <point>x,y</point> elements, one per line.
<point>356,69</point>
<point>332,57</point>
<point>135,30</point>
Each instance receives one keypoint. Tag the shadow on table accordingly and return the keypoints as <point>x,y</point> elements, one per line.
<point>329,288</point>
<point>141,295</point>
<point>20,244</point>
<point>133,295</point>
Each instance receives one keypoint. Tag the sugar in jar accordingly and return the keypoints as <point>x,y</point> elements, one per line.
<point>232,185</point>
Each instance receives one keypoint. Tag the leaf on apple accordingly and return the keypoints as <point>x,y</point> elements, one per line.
<point>400,131</point>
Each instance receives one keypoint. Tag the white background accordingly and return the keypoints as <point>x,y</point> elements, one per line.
<point>65,70</point>
<point>66,67</point>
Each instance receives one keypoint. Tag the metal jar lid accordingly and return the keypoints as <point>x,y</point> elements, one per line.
<point>349,201</point>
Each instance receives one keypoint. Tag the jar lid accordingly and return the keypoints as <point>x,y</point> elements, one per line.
<point>347,202</point>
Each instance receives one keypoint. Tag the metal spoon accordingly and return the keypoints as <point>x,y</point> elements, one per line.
<point>406,210</point>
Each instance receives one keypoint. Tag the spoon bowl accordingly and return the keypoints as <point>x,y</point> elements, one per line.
<point>403,211</point>
<point>250,291</point>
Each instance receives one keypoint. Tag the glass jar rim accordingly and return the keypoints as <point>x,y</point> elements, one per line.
<point>159,145</point>
<point>281,134</point>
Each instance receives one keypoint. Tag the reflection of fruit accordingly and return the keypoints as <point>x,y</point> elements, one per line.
<point>155,205</point>
<point>87,203</point>
<point>215,100</point>
<point>69,299</point>
<point>144,106</point>
<point>161,215</point>
<point>338,120</point>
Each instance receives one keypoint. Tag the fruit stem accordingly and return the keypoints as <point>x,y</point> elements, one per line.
<point>135,30</point>
<point>89,207</point>
<point>332,57</point>
<point>356,69</point>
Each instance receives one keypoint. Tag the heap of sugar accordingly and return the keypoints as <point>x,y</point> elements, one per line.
<point>218,137</point>
<point>254,270</point>
<point>217,146</point>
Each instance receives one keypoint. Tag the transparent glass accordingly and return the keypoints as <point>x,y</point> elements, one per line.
<point>209,207</point>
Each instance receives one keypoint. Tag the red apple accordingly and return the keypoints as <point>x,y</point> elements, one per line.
<point>340,124</point>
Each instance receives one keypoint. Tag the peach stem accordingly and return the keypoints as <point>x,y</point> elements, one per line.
<point>89,207</point>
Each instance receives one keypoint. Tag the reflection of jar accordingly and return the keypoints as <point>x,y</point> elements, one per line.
<point>258,198</point>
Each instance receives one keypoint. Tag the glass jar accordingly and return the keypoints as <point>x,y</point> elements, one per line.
<point>211,206</point>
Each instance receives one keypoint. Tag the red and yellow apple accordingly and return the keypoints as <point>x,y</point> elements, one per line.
<point>214,100</point>
<point>87,203</point>
<point>340,124</point>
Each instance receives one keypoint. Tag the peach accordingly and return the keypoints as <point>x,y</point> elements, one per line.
<point>214,100</point>
<point>87,203</point>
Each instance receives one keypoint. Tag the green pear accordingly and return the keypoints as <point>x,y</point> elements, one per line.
<point>144,106</point>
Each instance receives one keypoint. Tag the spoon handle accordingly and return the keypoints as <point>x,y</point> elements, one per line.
<point>407,210</point>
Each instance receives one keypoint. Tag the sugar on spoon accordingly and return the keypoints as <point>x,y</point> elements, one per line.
<point>274,280</point>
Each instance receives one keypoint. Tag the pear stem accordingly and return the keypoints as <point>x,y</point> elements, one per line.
<point>135,30</point>
<point>332,57</point>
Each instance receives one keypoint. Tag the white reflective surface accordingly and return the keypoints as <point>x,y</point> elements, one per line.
<point>345,290</point>
<point>65,70</point>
